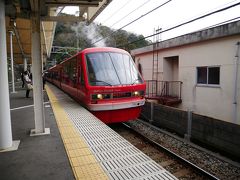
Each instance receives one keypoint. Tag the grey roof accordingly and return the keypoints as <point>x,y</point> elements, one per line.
<point>225,30</point>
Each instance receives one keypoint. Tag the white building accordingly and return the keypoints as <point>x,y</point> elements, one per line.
<point>207,64</point>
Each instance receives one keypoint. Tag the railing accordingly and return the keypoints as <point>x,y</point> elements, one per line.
<point>164,89</point>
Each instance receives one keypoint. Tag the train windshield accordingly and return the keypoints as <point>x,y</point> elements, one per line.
<point>111,68</point>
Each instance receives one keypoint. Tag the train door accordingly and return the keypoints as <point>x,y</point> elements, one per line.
<point>81,88</point>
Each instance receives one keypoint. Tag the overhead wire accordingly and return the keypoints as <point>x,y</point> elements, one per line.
<point>134,20</point>
<point>127,14</point>
<point>221,23</point>
<point>208,11</point>
<point>130,13</point>
<point>115,12</point>
<point>184,23</point>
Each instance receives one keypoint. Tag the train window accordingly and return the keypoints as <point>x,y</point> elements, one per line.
<point>65,72</point>
<point>125,68</point>
<point>80,74</point>
<point>55,75</point>
<point>72,70</point>
<point>65,69</point>
<point>110,68</point>
<point>58,76</point>
<point>100,70</point>
<point>82,77</point>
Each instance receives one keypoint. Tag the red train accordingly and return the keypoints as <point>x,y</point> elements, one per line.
<point>104,80</point>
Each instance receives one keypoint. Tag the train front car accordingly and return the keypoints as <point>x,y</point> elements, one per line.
<point>115,87</point>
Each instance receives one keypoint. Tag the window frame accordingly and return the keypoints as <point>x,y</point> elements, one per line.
<point>207,84</point>
<point>81,79</point>
<point>72,70</point>
<point>109,53</point>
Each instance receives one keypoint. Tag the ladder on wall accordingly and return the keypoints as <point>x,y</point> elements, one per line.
<point>156,40</point>
<point>155,62</point>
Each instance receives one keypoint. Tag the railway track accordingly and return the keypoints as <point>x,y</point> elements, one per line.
<point>177,165</point>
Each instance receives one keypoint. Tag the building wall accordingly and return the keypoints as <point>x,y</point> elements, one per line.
<point>216,102</point>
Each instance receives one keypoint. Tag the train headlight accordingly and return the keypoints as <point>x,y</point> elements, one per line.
<point>97,96</point>
<point>136,93</point>
<point>100,96</point>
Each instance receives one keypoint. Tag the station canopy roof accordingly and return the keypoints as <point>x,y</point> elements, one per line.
<point>18,20</point>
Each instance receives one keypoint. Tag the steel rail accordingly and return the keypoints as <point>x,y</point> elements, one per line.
<point>195,167</point>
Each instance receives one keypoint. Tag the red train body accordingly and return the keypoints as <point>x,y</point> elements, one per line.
<point>104,80</point>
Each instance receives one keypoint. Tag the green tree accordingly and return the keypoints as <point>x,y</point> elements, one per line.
<point>78,35</point>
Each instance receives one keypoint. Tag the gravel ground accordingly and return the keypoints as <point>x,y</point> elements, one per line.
<point>171,164</point>
<point>207,161</point>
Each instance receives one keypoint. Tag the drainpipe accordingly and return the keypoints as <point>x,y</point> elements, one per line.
<point>24,63</point>
<point>235,113</point>
<point>12,67</point>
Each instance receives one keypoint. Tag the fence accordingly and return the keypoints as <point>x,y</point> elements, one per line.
<point>164,89</point>
<point>204,130</point>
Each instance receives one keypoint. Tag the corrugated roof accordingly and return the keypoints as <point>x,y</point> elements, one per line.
<point>20,22</point>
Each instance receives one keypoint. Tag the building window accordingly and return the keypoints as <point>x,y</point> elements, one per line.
<point>208,75</point>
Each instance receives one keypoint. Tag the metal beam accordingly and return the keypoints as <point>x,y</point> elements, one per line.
<point>86,4</point>
<point>18,55</point>
<point>22,43</point>
<point>18,40</point>
<point>27,29</point>
<point>62,18</point>
<point>93,12</point>
<point>44,37</point>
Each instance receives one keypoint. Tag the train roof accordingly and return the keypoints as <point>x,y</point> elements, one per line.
<point>106,49</point>
<point>91,50</point>
<point>97,49</point>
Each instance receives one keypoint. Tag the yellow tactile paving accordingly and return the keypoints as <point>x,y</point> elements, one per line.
<point>83,162</point>
<point>79,152</point>
<point>74,146</point>
<point>75,140</point>
<point>90,172</point>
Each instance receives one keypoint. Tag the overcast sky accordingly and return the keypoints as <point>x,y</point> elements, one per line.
<point>118,13</point>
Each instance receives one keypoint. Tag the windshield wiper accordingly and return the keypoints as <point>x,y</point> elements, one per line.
<point>102,82</point>
<point>136,80</point>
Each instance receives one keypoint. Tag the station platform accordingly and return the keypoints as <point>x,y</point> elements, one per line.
<point>38,157</point>
<point>79,147</point>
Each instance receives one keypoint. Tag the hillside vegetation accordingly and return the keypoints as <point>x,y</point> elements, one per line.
<point>81,36</point>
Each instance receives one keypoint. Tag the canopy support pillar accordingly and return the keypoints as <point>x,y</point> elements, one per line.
<point>6,143</point>
<point>39,115</point>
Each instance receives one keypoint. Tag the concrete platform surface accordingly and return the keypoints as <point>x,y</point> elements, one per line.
<point>38,157</point>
